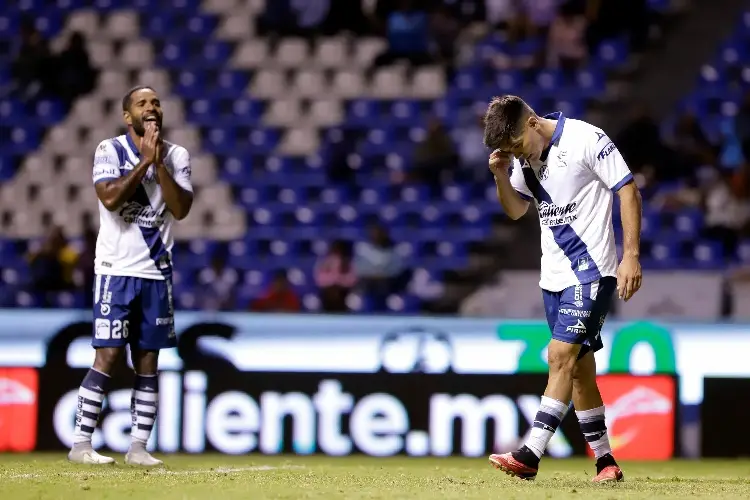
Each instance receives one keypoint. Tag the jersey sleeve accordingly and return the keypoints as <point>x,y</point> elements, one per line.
<point>603,157</point>
<point>106,162</point>
<point>181,168</point>
<point>518,182</point>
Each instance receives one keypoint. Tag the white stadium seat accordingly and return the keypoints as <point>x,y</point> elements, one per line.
<point>299,142</point>
<point>238,26</point>
<point>348,84</point>
<point>250,54</point>
<point>367,49</point>
<point>268,84</point>
<point>326,113</point>
<point>121,25</point>
<point>220,6</point>
<point>428,83</point>
<point>310,84</point>
<point>137,54</point>
<point>332,52</point>
<point>388,83</point>
<point>291,53</point>
<point>283,113</point>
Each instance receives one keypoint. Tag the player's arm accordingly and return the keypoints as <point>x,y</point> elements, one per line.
<point>112,188</point>
<point>609,165</point>
<point>630,214</point>
<point>176,190</point>
<point>510,186</point>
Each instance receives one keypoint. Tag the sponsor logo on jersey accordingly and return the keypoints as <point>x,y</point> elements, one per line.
<point>543,172</point>
<point>606,151</point>
<point>583,264</point>
<point>600,136</point>
<point>579,327</point>
<point>577,313</point>
<point>640,415</point>
<point>556,215</point>
<point>103,160</point>
<point>145,216</point>
<point>102,328</point>
<point>578,296</point>
<point>19,388</point>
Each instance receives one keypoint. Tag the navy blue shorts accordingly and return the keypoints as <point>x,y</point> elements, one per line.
<point>576,315</point>
<point>135,311</point>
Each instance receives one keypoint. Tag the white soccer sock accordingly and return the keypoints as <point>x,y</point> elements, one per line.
<point>90,399</point>
<point>143,404</point>
<point>550,414</point>
<point>594,429</point>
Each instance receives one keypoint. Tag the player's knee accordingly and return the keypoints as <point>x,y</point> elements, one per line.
<point>561,360</point>
<point>145,362</point>
<point>105,359</point>
<point>584,372</point>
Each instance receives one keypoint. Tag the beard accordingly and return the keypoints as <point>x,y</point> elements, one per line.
<point>139,126</point>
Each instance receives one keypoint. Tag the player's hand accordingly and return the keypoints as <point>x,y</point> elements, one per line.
<point>149,143</point>
<point>161,152</point>
<point>629,277</point>
<point>499,163</point>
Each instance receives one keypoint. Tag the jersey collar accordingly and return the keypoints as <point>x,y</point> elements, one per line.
<point>133,147</point>
<point>557,115</point>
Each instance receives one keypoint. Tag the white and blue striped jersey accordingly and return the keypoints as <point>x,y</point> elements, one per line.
<point>573,185</point>
<point>136,239</point>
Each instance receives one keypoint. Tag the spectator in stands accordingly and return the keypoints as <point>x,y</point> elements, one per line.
<point>640,144</point>
<point>615,18</point>
<point>407,30</point>
<point>471,149</point>
<point>52,265</point>
<point>379,268</point>
<point>566,43</point>
<point>280,297</point>
<point>742,126</point>
<point>435,155</point>
<point>690,145</point>
<point>31,68</point>
<point>335,277</point>
<point>218,283</point>
<point>74,74</point>
<point>445,30</point>
<point>535,17</point>
<point>726,214</point>
<point>731,154</point>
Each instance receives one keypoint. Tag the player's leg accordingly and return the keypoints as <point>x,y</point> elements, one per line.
<point>587,399</point>
<point>112,298</point>
<point>156,333</point>
<point>562,353</point>
<point>144,401</point>
<point>589,406</point>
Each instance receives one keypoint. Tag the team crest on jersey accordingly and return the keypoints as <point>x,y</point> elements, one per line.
<point>583,264</point>
<point>562,160</point>
<point>543,172</point>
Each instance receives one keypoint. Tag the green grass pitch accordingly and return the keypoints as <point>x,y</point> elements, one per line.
<point>254,477</point>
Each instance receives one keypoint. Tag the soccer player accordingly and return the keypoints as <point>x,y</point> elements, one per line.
<point>571,171</point>
<point>143,185</point>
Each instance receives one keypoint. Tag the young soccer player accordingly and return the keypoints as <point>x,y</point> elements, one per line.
<point>571,171</point>
<point>143,185</point>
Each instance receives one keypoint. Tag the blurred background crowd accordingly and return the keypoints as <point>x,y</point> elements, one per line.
<point>337,144</point>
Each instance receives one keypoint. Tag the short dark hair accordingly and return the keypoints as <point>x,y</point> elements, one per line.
<point>127,101</point>
<point>504,119</point>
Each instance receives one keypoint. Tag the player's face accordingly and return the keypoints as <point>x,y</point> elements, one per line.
<point>530,144</point>
<point>145,106</point>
